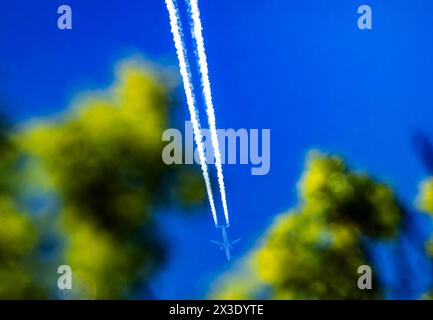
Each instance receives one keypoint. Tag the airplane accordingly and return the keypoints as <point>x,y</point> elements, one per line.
<point>225,244</point>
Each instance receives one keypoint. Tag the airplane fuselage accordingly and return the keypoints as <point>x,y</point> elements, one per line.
<point>226,244</point>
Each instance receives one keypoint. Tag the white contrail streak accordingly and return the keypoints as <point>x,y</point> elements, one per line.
<point>202,61</point>
<point>176,30</point>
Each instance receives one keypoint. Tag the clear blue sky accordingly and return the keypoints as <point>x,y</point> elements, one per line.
<point>300,68</point>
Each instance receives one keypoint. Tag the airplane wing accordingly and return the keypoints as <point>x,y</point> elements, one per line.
<point>236,241</point>
<point>217,243</point>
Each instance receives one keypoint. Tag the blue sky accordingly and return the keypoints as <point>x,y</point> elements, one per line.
<point>301,68</point>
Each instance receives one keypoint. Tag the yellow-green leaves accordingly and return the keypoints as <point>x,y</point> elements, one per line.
<point>314,251</point>
<point>102,160</point>
<point>425,198</point>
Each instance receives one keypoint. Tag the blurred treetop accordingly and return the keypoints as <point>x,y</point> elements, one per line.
<point>102,161</point>
<point>425,204</point>
<point>314,251</point>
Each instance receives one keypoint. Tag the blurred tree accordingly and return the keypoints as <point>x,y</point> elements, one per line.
<point>425,204</point>
<point>103,160</point>
<point>18,239</point>
<point>314,251</point>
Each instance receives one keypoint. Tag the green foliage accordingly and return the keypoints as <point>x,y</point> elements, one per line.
<point>103,160</point>
<point>425,204</point>
<point>348,198</point>
<point>17,241</point>
<point>18,238</point>
<point>314,252</point>
<point>425,198</point>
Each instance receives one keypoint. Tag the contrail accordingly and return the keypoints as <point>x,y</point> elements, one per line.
<point>202,61</point>
<point>176,30</point>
